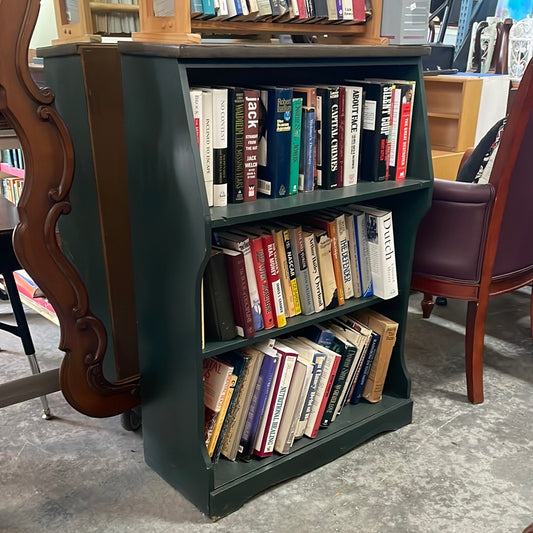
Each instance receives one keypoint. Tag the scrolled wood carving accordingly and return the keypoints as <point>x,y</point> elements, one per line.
<point>49,160</point>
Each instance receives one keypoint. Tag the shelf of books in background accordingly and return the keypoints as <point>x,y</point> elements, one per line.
<point>11,174</point>
<point>261,398</point>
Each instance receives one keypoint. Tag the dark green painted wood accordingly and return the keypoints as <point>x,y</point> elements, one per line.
<point>81,238</point>
<point>171,229</point>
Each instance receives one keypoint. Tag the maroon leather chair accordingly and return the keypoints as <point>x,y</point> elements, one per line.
<point>477,239</point>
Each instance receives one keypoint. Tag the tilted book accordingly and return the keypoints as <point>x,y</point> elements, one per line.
<point>267,373</point>
<point>325,264</point>
<point>253,359</point>
<point>216,378</point>
<point>380,236</point>
<point>288,358</point>
<point>387,330</point>
<point>234,241</point>
<point>240,295</point>
<point>274,151</point>
<point>219,322</point>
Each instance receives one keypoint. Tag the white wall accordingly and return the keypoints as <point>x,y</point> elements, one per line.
<point>45,28</point>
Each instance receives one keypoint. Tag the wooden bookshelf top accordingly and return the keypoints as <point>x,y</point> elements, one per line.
<point>247,51</point>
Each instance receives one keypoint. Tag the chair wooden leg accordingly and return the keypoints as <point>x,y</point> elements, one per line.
<point>427,305</point>
<point>474,341</point>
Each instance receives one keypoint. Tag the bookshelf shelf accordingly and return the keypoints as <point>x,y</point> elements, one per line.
<point>8,169</point>
<point>171,226</point>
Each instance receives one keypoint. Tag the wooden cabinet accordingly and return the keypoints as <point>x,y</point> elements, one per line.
<point>453,107</point>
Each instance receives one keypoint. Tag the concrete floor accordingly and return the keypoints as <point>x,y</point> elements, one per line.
<point>456,468</point>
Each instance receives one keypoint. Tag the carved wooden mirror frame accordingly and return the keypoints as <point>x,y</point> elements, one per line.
<point>49,162</point>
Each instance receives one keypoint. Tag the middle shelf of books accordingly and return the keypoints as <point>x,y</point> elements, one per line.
<point>204,266</point>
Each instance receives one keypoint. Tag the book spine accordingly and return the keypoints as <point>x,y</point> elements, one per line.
<point>394,130</point>
<point>354,261</point>
<point>347,10</point>
<point>344,256</point>
<point>384,129</point>
<point>382,253</point>
<point>265,297</point>
<point>329,137</point>
<point>365,369</point>
<point>221,416</point>
<point>257,405</point>
<point>272,269</point>
<point>327,274</point>
<point>342,120</point>
<point>278,405</point>
<point>314,271</point>
<point>347,355</point>
<point>235,159</point>
<point>296,131</point>
<point>220,147</point>
<point>240,296</point>
<point>292,272</point>
<point>352,134</point>
<point>306,178</point>
<point>196,103</point>
<point>288,300</point>
<point>303,277</point>
<point>275,146</point>
<point>309,399</point>
<point>251,133</point>
<point>367,285</point>
<point>206,140</point>
<point>404,131</point>
<point>208,7</point>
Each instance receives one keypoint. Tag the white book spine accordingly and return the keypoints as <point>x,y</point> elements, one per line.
<point>314,271</point>
<point>347,10</point>
<point>344,255</point>
<point>382,254</point>
<point>206,143</point>
<point>220,142</point>
<point>352,134</point>
<point>280,401</point>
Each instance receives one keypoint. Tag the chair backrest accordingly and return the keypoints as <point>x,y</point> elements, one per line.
<point>510,237</point>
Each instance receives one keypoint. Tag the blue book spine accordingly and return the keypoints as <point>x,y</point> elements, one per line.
<point>369,358</point>
<point>208,7</point>
<point>320,335</point>
<point>257,405</point>
<point>196,7</point>
<point>275,146</point>
<point>306,181</point>
<point>238,6</point>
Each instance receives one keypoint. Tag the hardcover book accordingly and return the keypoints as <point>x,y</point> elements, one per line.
<point>220,147</point>
<point>380,235</point>
<point>274,151</point>
<point>311,255</point>
<point>376,125</point>
<point>387,329</point>
<point>241,244</point>
<point>206,143</point>
<point>306,177</point>
<point>219,322</point>
<point>240,295</point>
<point>352,134</point>
<point>309,101</point>
<point>327,164</point>
<point>251,136</point>
<point>235,153</point>
<point>325,264</point>
<point>296,130</point>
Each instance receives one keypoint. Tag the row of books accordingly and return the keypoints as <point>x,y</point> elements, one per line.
<point>260,399</point>
<point>115,23</point>
<point>345,11</point>
<point>258,276</point>
<point>279,141</point>
<point>13,157</point>
<point>11,186</point>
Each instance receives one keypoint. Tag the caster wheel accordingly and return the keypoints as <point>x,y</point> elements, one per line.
<point>131,420</point>
<point>441,300</point>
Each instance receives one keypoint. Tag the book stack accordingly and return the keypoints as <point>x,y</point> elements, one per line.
<point>260,399</point>
<point>280,141</point>
<point>259,277</point>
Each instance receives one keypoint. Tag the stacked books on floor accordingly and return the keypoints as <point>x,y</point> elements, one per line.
<point>261,399</point>
<point>260,276</point>
<point>281,141</point>
<point>304,11</point>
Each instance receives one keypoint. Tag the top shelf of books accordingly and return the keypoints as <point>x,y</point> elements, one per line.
<point>178,21</point>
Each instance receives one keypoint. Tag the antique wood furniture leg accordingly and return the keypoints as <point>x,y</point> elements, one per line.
<point>427,305</point>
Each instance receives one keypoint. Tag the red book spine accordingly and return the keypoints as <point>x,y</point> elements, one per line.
<point>265,296</point>
<point>251,135</point>
<point>240,296</point>
<point>403,140</point>
<point>272,269</point>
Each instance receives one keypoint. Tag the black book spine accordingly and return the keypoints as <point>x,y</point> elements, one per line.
<point>235,159</point>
